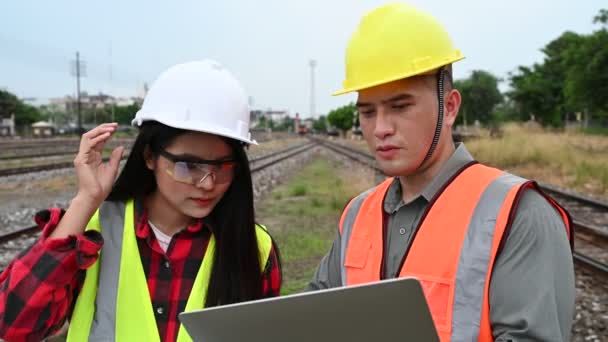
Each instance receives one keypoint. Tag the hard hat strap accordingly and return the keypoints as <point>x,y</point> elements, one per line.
<point>440,94</point>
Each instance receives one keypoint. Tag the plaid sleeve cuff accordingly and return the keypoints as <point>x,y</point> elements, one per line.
<point>272,275</point>
<point>86,246</point>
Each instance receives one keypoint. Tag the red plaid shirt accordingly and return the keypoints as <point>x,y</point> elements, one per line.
<point>38,289</point>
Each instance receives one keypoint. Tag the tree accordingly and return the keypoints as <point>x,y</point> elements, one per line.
<point>262,122</point>
<point>504,112</point>
<point>480,95</point>
<point>125,114</point>
<point>601,17</point>
<point>586,85</point>
<point>285,124</point>
<point>59,118</point>
<point>320,124</point>
<point>539,90</point>
<point>25,114</point>
<point>343,118</point>
<point>532,94</point>
<point>573,77</point>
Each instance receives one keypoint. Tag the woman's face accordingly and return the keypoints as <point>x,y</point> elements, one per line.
<point>193,173</point>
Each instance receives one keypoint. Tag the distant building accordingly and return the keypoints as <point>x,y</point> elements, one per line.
<point>256,114</point>
<point>35,101</point>
<point>68,104</point>
<point>7,118</point>
<point>43,129</point>
<point>308,123</point>
<point>125,101</point>
<point>7,126</point>
<point>276,115</point>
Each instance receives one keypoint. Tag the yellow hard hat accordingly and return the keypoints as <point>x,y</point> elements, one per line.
<point>393,42</point>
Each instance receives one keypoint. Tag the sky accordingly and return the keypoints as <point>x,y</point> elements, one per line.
<point>267,45</point>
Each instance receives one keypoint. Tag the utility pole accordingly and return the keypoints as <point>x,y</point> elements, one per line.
<point>312,63</point>
<point>78,70</point>
<point>111,90</point>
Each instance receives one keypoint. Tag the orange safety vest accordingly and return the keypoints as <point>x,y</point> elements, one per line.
<point>453,250</point>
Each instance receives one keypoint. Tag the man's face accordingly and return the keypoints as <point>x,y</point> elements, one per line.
<point>398,121</point>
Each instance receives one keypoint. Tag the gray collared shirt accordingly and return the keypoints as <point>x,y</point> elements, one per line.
<point>532,288</point>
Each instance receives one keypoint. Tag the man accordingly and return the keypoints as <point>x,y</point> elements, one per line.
<point>491,251</point>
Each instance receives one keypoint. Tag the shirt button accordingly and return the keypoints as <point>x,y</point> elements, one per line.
<point>160,310</point>
<point>402,231</point>
<point>167,264</point>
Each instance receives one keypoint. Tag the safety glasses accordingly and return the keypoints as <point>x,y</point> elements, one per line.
<point>195,172</point>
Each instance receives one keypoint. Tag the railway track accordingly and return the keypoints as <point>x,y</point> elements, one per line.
<point>48,166</point>
<point>591,240</point>
<point>32,155</point>
<point>50,148</point>
<point>15,240</point>
<point>37,144</point>
<point>590,215</point>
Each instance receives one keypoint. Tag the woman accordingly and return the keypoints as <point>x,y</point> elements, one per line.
<point>177,227</point>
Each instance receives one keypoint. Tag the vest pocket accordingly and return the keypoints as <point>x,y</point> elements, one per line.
<point>357,252</point>
<point>439,293</point>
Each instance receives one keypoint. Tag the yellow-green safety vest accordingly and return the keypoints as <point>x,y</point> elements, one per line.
<point>114,303</point>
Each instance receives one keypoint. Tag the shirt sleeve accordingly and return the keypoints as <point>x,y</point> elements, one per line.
<point>328,274</point>
<point>532,291</point>
<point>272,274</point>
<point>39,287</point>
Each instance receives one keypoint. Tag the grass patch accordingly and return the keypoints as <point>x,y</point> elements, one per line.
<point>298,190</point>
<point>572,159</point>
<point>304,221</point>
<point>595,130</point>
<point>568,159</point>
<point>316,202</point>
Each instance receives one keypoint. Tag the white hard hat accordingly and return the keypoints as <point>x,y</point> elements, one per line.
<point>198,96</point>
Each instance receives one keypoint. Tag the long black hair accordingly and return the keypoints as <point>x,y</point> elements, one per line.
<point>237,274</point>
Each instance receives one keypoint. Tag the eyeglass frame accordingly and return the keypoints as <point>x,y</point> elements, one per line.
<point>216,162</point>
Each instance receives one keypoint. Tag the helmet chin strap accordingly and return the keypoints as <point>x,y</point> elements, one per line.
<point>440,95</point>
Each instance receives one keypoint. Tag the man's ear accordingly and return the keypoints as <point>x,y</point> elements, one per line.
<point>453,99</point>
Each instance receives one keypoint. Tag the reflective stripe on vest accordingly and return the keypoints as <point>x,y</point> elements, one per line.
<point>115,288</point>
<point>453,250</point>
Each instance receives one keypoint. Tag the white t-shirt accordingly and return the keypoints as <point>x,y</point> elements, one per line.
<point>163,239</point>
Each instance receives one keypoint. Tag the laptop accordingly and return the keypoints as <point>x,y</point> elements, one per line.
<point>390,310</point>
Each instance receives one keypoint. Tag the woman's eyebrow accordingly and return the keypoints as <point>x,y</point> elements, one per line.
<point>195,159</point>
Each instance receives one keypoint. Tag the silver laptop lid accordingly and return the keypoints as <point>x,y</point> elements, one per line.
<point>390,310</point>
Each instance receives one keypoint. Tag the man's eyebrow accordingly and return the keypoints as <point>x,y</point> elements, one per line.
<point>398,97</point>
<point>363,104</point>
